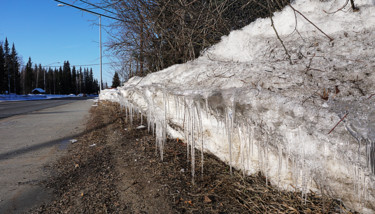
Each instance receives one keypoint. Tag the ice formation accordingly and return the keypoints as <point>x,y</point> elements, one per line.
<point>309,126</point>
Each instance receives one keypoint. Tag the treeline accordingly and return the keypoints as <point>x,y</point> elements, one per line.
<point>155,34</point>
<point>63,80</point>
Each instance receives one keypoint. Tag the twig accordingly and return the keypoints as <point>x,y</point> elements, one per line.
<point>277,34</point>
<point>371,96</point>
<point>346,3</point>
<point>309,97</point>
<point>338,123</point>
<point>330,38</point>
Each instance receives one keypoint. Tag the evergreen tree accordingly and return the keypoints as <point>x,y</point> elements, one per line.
<point>80,81</point>
<point>40,77</point>
<point>49,80</point>
<point>91,82</point>
<point>7,66</point>
<point>66,78</point>
<point>74,81</point>
<point>59,81</point>
<point>86,81</point>
<point>15,66</point>
<point>55,73</point>
<point>35,76</point>
<point>2,70</point>
<point>28,77</point>
<point>115,81</point>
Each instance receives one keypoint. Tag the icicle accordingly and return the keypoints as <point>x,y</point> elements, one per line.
<point>186,129</point>
<point>260,156</point>
<point>206,101</point>
<point>176,106</point>
<point>229,134</point>
<point>266,158</point>
<point>141,118</point>
<point>131,114</point>
<point>126,113</point>
<point>280,162</point>
<point>192,143</point>
<point>160,137</point>
<point>200,133</point>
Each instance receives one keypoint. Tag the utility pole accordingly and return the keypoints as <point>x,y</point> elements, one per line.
<point>100,38</point>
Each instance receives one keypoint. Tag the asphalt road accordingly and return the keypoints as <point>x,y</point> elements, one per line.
<point>33,134</point>
<point>11,108</point>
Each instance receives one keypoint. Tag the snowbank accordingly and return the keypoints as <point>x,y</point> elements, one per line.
<point>245,103</point>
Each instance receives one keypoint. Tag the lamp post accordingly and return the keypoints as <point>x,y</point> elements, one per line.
<point>100,36</point>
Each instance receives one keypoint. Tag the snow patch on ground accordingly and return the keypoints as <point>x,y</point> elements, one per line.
<point>243,101</point>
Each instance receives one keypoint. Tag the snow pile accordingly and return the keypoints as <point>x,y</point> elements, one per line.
<point>309,125</point>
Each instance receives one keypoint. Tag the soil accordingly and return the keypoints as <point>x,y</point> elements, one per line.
<point>115,168</point>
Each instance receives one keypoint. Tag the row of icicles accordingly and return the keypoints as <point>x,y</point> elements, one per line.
<point>190,114</point>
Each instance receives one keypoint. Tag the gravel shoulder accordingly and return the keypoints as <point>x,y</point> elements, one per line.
<point>115,168</point>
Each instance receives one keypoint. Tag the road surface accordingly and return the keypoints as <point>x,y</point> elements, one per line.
<point>11,108</point>
<point>29,141</point>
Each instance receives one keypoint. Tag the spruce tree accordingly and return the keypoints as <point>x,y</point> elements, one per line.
<point>7,66</point>
<point>28,77</point>
<point>80,81</point>
<point>74,81</point>
<point>59,81</point>
<point>86,80</point>
<point>2,70</point>
<point>66,78</point>
<point>41,76</point>
<point>16,77</point>
<point>35,77</point>
<point>115,81</point>
<point>91,82</point>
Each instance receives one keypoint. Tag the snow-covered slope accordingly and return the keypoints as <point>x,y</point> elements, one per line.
<point>244,102</point>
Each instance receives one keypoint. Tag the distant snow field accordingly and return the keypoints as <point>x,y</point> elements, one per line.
<point>307,122</point>
<point>16,97</point>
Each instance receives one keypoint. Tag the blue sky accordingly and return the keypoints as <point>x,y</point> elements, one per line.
<point>49,34</point>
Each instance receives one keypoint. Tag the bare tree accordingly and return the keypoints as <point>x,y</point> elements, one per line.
<point>156,34</point>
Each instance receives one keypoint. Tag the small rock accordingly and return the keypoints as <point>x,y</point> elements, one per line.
<point>73,141</point>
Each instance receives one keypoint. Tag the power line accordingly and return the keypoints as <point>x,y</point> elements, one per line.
<point>89,11</point>
<point>96,6</point>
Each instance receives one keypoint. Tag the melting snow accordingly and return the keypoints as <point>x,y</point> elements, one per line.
<point>244,102</point>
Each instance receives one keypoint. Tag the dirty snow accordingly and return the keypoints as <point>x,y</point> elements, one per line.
<point>244,102</point>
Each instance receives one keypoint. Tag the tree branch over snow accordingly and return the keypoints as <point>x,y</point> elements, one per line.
<point>330,38</point>
<point>277,34</point>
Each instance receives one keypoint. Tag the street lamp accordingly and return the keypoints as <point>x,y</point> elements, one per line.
<point>100,36</point>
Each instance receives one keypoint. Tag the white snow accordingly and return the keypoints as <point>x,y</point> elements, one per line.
<point>245,103</point>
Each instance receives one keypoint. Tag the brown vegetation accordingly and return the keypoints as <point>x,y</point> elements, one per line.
<point>114,168</point>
